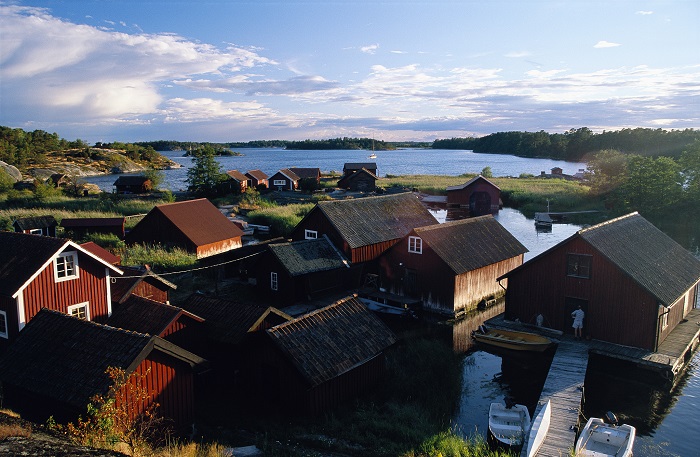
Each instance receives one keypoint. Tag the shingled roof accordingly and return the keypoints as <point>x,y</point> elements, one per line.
<point>308,256</point>
<point>470,182</point>
<point>360,165</point>
<point>228,321</point>
<point>650,257</point>
<point>65,358</point>
<point>122,287</point>
<point>24,256</point>
<point>470,244</point>
<point>146,316</point>
<point>28,223</point>
<point>347,179</point>
<point>306,173</point>
<point>332,340</point>
<point>199,220</point>
<point>371,220</point>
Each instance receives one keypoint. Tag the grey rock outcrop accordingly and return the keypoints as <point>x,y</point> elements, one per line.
<point>11,170</point>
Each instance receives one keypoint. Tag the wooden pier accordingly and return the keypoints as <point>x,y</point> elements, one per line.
<point>564,388</point>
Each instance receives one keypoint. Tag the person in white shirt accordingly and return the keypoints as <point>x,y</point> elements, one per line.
<point>578,316</point>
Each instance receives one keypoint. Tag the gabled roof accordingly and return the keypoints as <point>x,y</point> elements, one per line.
<point>470,182</point>
<point>289,174</point>
<point>332,340</point>
<point>360,165</point>
<point>132,180</point>
<point>25,256</point>
<point>65,358</point>
<point>102,253</point>
<point>648,256</point>
<point>371,220</point>
<point>199,220</point>
<point>122,286</point>
<point>347,179</point>
<point>237,175</point>
<point>257,174</point>
<point>73,222</point>
<point>143,315</point>
<point>470,244</point>
<point>308,256</point>
<point>28,223</point>
<point>228,321</point>
<point>305,173</point>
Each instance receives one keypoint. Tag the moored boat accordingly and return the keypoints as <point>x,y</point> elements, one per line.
<point>512,339</point>
<point>599,439</point>
<point>509,423</point>
<point>539,429</point>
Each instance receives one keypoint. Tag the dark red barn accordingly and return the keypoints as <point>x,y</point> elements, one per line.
<point>479,196</point>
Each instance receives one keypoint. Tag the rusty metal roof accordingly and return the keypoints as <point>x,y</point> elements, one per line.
<point>257,174</point>
<point>237,175</point>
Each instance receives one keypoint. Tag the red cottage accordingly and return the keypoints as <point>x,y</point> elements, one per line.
<point>351,167</point>
<point>312,175</point>
<point>258,179</point>
<point>452,267</point>
<point>362,180</point>
<point>58,363</point>
<point>39,225</point>
<point>478,195</point>
<point>313,363</point>
<point>194,225</point>
<point>79,227</point>
<point>45,272</point>
<point>633,282</point>
<point>363,228</point>
<point>142,282</point>
<point>285,179</point>
<point>238,181</point>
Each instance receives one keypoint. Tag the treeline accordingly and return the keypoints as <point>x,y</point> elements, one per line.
<point>577,144</point>
<point>20,148</point>
<point>341,143</point>
<point>172,145</point>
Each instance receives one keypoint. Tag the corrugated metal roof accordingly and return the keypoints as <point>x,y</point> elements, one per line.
<point>102,253</point>
<point>308,256</point>
<point>371,220</point>
<point>330,341</point>
<point>650,257</point>
<point>470,244</point>
<point>199,220</point>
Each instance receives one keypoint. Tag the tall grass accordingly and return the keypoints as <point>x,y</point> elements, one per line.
<point>159,258</point>
<point>281,219</point>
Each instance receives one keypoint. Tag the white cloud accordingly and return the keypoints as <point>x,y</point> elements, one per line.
<point>398,52</point>
<point>644,13</point>
<point>606,44</point>
<point>517,54</point>
<point>370,49</point>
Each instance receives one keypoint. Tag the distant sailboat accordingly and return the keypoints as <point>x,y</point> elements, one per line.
<point>373,155</point>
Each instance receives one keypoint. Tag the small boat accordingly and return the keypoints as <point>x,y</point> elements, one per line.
<point>543,220</point>
<point>509,424</point>
<point>599,439</point>
<point>385,308</point>
<point>372,156</point>
<point>540,427</point>
<point>512,339</point>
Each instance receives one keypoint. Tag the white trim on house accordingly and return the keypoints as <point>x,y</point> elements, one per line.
<point>76,307</point>
<point>415,244</point>
<point>279,182</point>
<point>664,316</point>
<point>109,292</point>
<point>21,317</point>
<point>70,269</point>
<point>310,234</point>
<point>274,283</point>
<point>36,231</point>
<point>4,333</point>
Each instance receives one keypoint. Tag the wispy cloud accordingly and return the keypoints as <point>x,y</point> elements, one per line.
<point>517,54</point>
<point>370,49</point>
<point>644,13</point>
<point>606,44</point>
<point>398,52</point>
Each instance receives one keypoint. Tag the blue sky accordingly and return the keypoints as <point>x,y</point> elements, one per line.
<point>216,70</point>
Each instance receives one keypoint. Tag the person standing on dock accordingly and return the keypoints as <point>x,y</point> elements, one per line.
<point>578,316</point>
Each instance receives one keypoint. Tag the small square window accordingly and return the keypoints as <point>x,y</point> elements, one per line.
<point>279,182</point>
<point>81,311</point>
<point>578,265</point>
<point>310,234</point>
<point>273,280</point>
<point>4,333</point>
<point>36,232</point>
<point>415,245</point>
<point>66,266</point>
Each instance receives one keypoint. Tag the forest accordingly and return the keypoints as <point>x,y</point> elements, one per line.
<point>577,144</point>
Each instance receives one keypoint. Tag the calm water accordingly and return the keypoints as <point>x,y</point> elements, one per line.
<point>399,162</point>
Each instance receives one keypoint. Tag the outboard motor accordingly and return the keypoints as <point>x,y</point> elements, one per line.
<point>610,418</point>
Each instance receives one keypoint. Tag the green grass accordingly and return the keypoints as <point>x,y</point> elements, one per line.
<point>281,219</point>
<point>158,257</point>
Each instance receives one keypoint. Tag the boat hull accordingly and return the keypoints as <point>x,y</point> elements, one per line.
<point>508,425</point>
<point>511,339</point>
<point>599,439</point>
<point>539,429</point>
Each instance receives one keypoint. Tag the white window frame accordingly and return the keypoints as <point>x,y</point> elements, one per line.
<point>664,316</point>
<point>75,275</point>
<point>415,244</point>
<point>279,182</point>
<point>36,231</point>
<point>274,283</point>
<point>310,234</point>
<point>85,305</point>
<point>4,333</point>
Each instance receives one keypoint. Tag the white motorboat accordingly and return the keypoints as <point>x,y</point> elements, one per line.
<point>599,439</point>
<point>538,431</point>
<point>509,424</point>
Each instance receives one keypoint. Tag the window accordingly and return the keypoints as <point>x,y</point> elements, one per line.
<point>36,232</point>
<point>279,182</point>
<point>3,325</point>
<point>66,266</point>
<point>310,234</point>
<point>273,280</point>
<point>415,245</point>
<point>578,265</point>
<point>664,316</point>
<point>81,311</point>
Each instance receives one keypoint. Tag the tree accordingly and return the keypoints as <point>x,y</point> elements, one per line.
<point>653,184</point>
<point>607,170</point>
<point>205,175</point>
<point>690,170</point>
<point>155,176</point>
<point>486,172</point>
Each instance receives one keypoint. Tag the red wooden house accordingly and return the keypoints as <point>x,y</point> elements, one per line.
<point>285,179</point>
<point>634,283</point>
<point>363,228</point>
<point>101,252</point>
<point>351,167</point>
<point>361,180</point>
<point>258,179</point>
<point>452,267</point>
<point>45,272</point>
<point>300,270</point>
<point>194,225</point>
<point>58,363</point>
<point>80,226</point>
<point>133,185</point>
<point>142,282</point>
<point>313,363</point>
<point>39,225</point>
<point>238,181</point>
<point>313,175</point>
<point>478,195</point>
